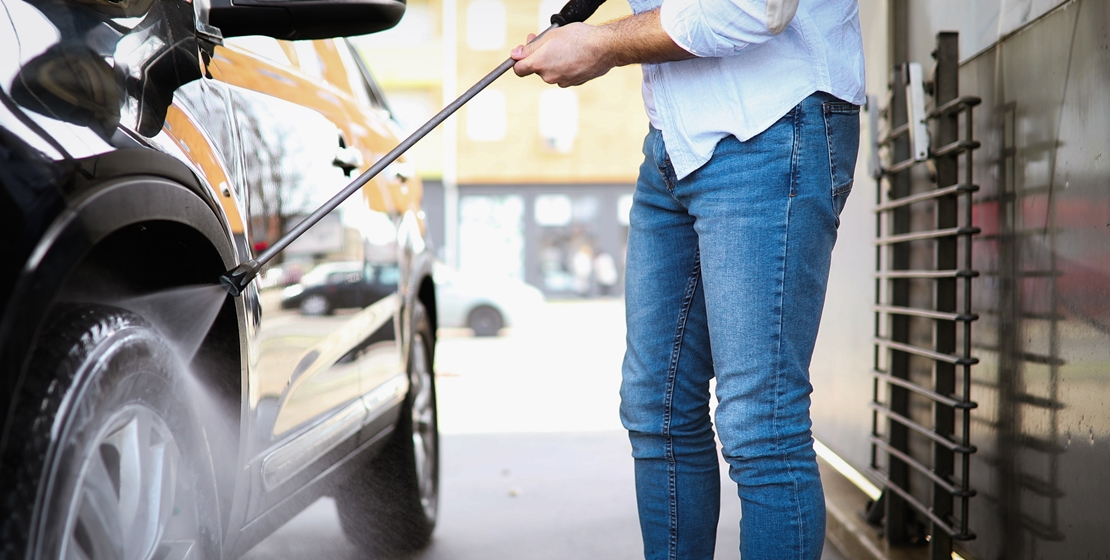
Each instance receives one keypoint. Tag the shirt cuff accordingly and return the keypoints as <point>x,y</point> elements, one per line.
<point>717,28</point>
<point>674,16</point>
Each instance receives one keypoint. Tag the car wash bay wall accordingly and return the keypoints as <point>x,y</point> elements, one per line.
<point>1042,427</point>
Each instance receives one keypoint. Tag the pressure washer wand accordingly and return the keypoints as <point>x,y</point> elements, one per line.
<point>237,279</point>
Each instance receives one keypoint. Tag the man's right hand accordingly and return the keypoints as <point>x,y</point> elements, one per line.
<point>567,56</point>
<point>575,54</point>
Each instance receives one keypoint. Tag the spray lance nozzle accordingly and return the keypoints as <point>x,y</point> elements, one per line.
<point>575,11</point>
<point>235,281</point>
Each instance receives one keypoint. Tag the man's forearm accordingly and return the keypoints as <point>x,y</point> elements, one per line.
<point>575,54</point>
<point>641,39</point>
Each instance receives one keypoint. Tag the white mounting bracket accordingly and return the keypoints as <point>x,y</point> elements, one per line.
<point>875,164</point>
<point>915,110</point>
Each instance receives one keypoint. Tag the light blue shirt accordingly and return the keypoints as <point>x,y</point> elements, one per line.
<point>757,59</point>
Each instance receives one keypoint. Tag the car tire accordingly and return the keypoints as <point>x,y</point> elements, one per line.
<point>389,508</point>
<point>485,321</point>
<point>109,460</point>
<point>315,305</point>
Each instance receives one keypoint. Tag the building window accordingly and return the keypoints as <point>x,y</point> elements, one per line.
<point>559,119</point>
<point>485,25</point>
<point>553,210</point>
<point>491,236</point>
<point>485,116</point>
<point>567,244</point>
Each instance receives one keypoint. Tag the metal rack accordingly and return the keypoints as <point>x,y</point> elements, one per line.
<point>921,407</point>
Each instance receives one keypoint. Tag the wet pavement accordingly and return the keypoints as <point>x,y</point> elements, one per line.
<point>535,465</point>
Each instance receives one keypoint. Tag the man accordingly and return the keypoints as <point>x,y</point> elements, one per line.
<point>749,159</point>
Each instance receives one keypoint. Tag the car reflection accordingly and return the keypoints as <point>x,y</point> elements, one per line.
<point>340,285</point>
<point>116,63</point>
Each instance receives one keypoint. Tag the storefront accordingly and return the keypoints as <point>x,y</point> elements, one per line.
<point>567,240</point>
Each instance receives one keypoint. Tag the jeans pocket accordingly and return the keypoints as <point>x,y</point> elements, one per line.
<point>842,133</point>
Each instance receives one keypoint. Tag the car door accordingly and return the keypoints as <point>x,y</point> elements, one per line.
<point>395,196</point>
<point>305,387</point>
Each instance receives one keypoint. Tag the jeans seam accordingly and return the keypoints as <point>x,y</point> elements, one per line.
<point>831,151</point>
<point>832,164</point>
<point>795,155</point>
<point>668,401</point>
<point>799,117</point>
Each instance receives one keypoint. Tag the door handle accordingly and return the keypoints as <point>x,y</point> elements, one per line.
<point>402,170</point>
<point>347,159</point>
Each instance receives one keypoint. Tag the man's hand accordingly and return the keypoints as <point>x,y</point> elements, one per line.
<point>575,54</point>
<point>568,56</point>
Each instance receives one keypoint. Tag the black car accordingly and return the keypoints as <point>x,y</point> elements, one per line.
<point>340,285</point>
<point>146,148</point>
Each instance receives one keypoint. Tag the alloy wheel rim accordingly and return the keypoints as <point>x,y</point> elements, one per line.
<point>315,305</point>
<point>424,434</point>
<point>125,503</point>
<point>485,320</point>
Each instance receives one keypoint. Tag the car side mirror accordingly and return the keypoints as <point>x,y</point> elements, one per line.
<point>304,19</point>
<point>100,74</point>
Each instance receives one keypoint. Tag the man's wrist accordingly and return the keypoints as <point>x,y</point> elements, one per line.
<point>606,47</point>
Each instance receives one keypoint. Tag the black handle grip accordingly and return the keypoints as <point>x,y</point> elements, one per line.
<point>575,11</point>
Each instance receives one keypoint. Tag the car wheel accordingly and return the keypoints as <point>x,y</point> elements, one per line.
<point>485,321</point>
<point>390,507</point>
<point>108,460</point>
<point>315,304</point>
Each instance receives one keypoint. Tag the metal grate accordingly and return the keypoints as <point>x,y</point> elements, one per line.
<point>921,408</point>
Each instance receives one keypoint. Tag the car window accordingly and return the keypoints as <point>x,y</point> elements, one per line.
<point>315,276</point>
<point>389,275</point>
<point>362,80</point>
<point>265,47</point>
<point>442,274</point>
<point>344,278</point>
<point>309,59</point>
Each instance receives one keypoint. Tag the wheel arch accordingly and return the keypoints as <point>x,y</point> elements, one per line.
<point>486,302</point>
<point>427,297</point>
<point>420,288</point>
<point>106,244</point>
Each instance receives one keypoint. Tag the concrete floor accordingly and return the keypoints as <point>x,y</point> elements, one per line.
<point>535,465</point>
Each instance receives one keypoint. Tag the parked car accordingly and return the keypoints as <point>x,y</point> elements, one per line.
<point>146,148</point>
<point>483,304</point>
<point>280,275</point>
<point>340,285</point>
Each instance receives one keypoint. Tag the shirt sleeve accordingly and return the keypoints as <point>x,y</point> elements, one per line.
<point>715,28</point>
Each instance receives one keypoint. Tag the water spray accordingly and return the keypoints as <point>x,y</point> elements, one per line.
<point>237,279</point>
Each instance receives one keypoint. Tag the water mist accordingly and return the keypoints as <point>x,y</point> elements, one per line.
<point>183,315</point>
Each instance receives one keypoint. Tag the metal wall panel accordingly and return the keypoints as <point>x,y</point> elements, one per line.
<point>1043,426</point>
<point>980,23</point>
<point>1043,383</point>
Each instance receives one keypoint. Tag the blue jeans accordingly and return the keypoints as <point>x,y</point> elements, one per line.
<point>726,277</point>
